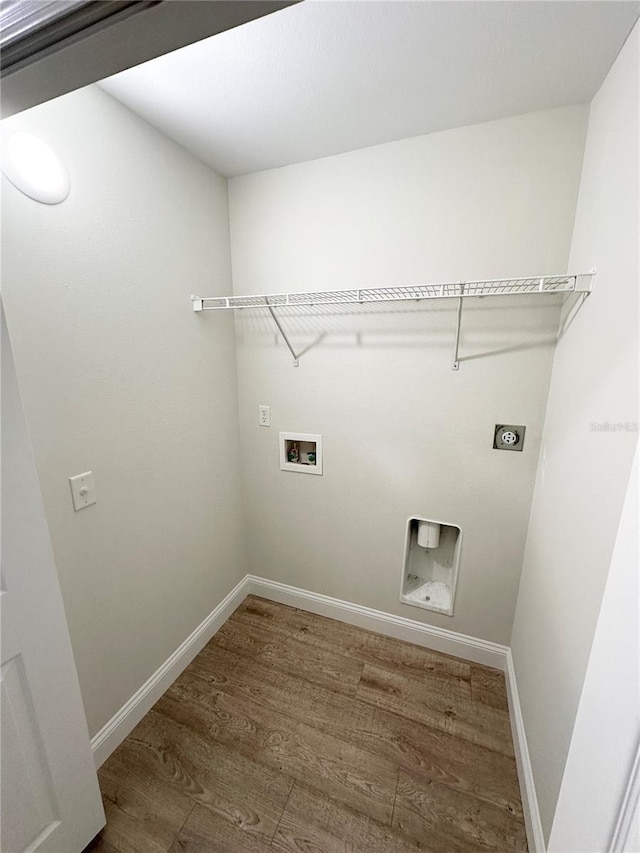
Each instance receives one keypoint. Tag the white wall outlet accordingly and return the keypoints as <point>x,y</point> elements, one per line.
<point>264,416</point>
<point>83,490</point>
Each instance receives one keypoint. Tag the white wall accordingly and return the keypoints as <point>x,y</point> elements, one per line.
<point>607,730</point>
<point>583,474</point>
<point>403,434</point>
<point>119,376</point>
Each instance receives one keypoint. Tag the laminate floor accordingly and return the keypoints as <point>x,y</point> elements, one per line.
<point>293,732</point>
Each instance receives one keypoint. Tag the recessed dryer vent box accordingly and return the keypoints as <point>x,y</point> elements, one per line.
<point>301,452</point>
<point>430,571</point>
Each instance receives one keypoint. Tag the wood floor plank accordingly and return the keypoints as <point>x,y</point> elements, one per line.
<point>141,809</point>
<point>99,845</point>
<point>304,701</point>
<point>245,793</point>
<point>357,643</point>
<point>263,643</point>
<point>351,720</point>
<point>491,728</point>
<point>469,768</point>
<point>451,821</point>
<point>402,741</point>
<point>293,732</point>
<point>207,832</point>
<point>143,813</point>
<point>313,823</point>
<point>445,673</point>
<point>489,686</point>
<point>126,833</point>
<point>463,718</point>
<point>351,775</point>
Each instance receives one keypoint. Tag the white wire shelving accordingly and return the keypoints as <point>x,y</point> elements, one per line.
<point>580,284</point>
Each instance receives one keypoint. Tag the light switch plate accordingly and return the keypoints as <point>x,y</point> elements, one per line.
<point>83,490</point>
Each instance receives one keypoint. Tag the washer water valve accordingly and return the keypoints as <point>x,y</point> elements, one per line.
<point>508,437</point>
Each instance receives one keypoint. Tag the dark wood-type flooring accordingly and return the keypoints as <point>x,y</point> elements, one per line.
<point>293,732</point>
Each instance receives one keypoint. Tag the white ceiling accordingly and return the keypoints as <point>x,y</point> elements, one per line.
<point>321,78</point>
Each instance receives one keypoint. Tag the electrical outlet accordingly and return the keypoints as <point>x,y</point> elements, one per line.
<point>508,437</point>
<point>264,416</point>
<point>83,490</point>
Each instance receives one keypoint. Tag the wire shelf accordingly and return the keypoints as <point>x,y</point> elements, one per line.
<point>460,290</point>
<point>555,284</point>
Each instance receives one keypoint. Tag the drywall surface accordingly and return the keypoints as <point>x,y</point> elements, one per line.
<point>118,377</point>
<point>403,434</point>
<point>590,434</point>
<point>607,730</point>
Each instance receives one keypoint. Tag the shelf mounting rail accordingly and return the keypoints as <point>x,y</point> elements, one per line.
<point>580,284</point>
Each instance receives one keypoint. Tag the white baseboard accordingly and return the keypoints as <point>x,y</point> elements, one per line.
<point>535,835</point>
<point>125,720</point>
<point>438,639</point>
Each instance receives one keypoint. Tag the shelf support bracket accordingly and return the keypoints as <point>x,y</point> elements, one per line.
<point>456,361</point>
<point>296,358</point>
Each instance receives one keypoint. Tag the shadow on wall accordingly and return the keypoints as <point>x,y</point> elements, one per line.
<point>489,328</point>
